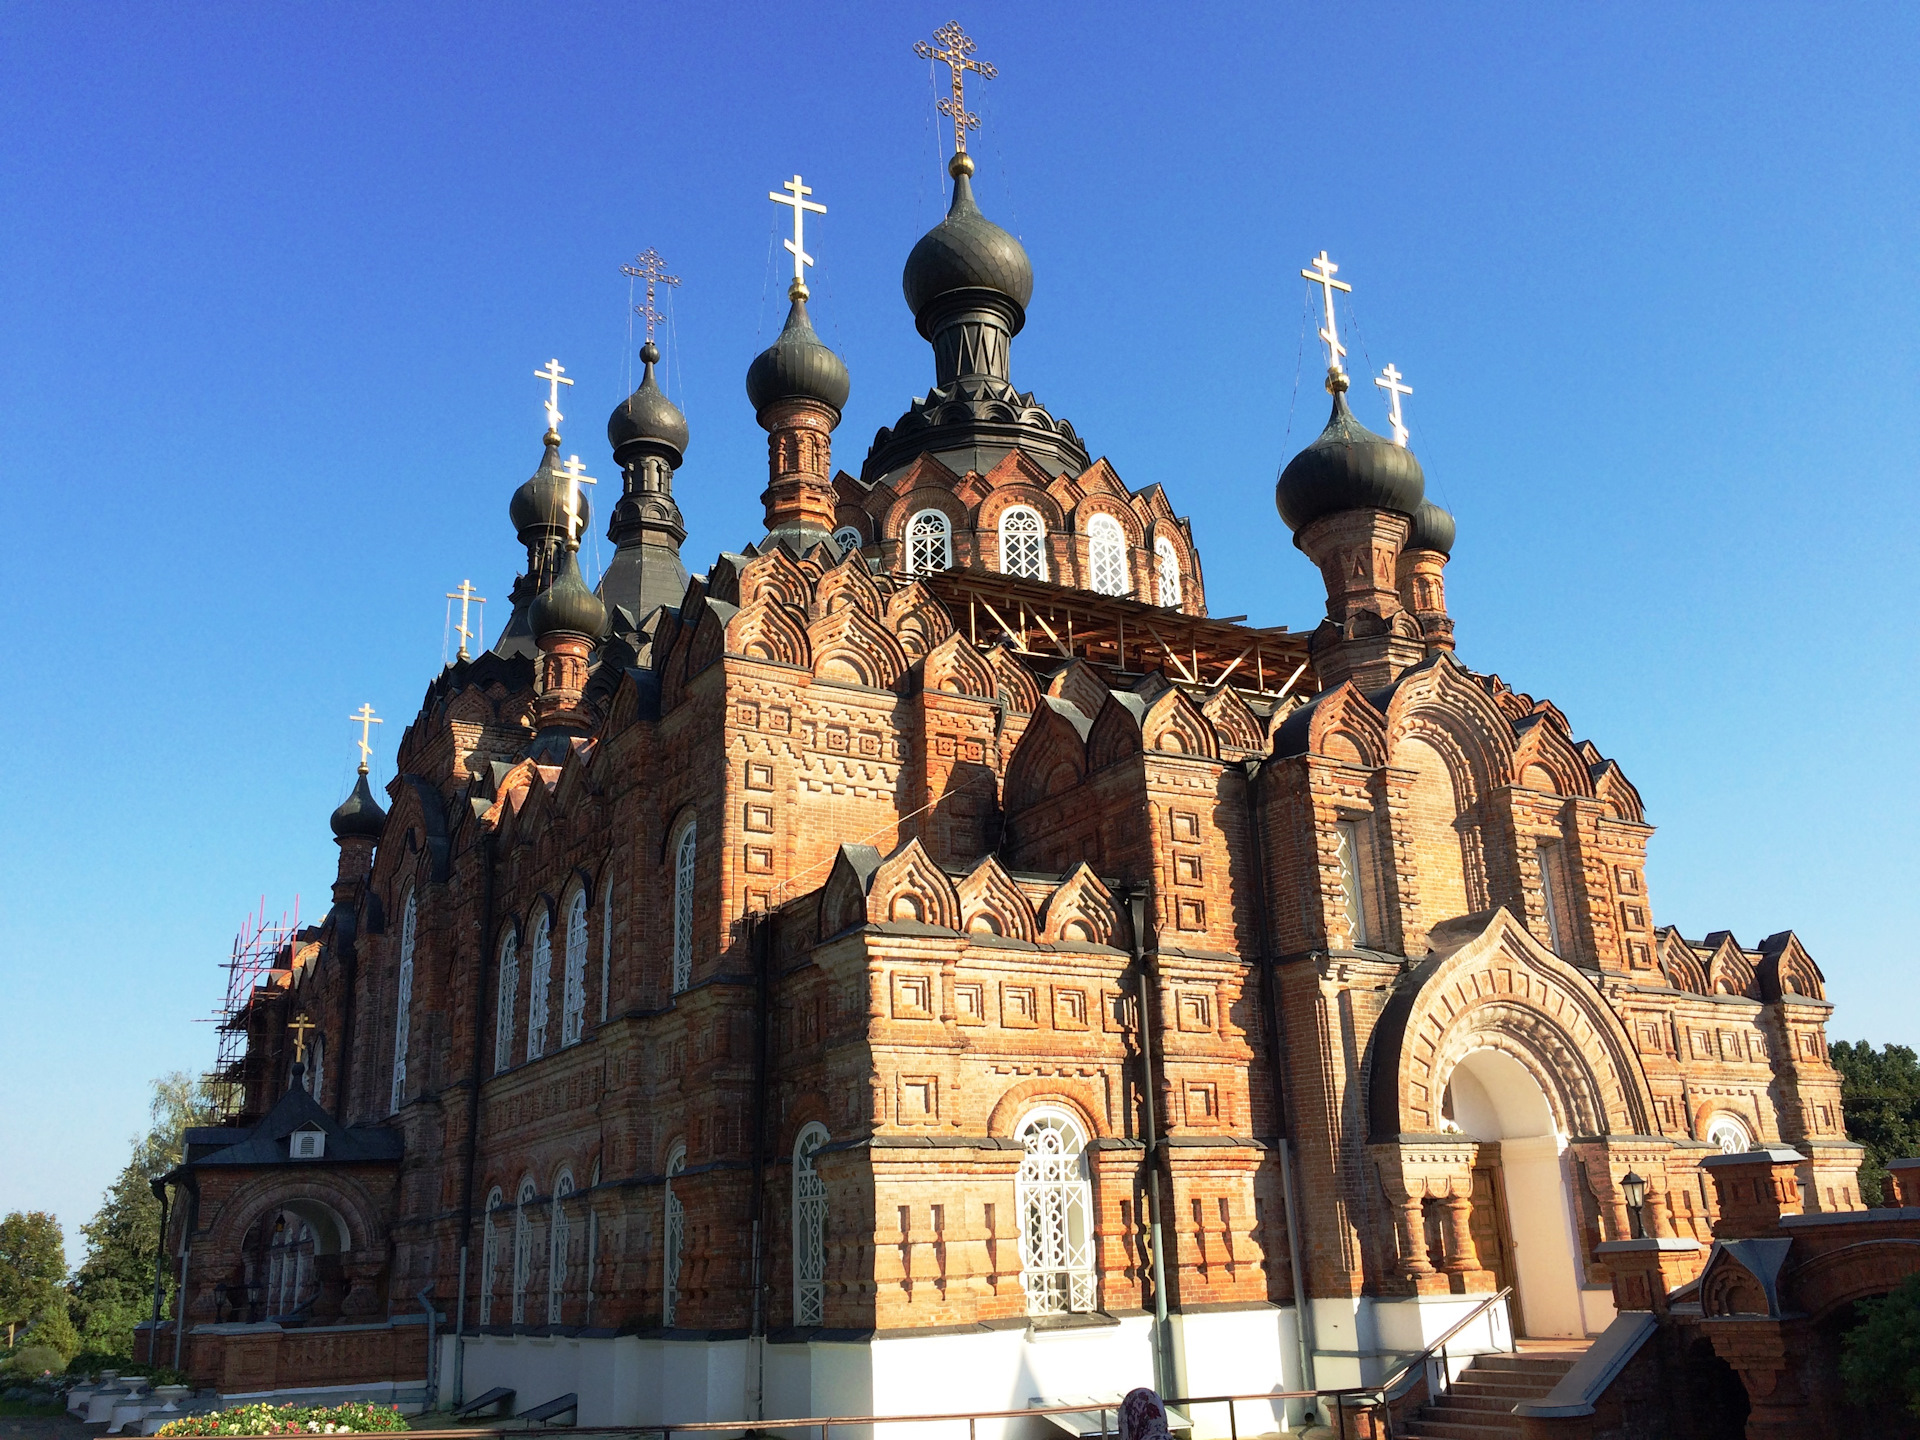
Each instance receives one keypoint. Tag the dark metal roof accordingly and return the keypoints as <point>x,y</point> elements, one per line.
<point>797,366</point>
<point>1347,468</point>
<point>1433,529</point>
<point>646,421</point>
<point>568,607</point>
<point>359,814</point>
<point>966,251</point>
<point>266,1143</point>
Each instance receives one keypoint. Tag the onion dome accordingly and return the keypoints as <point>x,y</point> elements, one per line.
<point>359,814</point>
<point>539,507</point>
<point>568,607</point>
<point>1347,468</point>
<point>647,421</point>
<point>1432,529</point>
<point>966,251</point>
<point>797,366</point>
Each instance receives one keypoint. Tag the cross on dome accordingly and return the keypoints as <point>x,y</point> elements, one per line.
<point>796,197</point>
<point>576,477</point>
<point>466,595</point>
<point>1389,380</point>
<point>650,267</point>
<point>555,376</point>
<point>1321,273</point>
<point>953,48</point>
<point>366,720</point>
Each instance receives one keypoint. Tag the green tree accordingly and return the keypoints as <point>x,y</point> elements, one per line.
<point>1881,1092</point>
<point>113,1287</point>
<point>1880,1356</point>
<point>33,1262</point>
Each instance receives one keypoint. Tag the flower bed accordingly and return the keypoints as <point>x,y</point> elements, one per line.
<point>357,1417</point>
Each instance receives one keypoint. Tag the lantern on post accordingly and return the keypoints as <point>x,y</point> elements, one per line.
<point>1635,1189</point>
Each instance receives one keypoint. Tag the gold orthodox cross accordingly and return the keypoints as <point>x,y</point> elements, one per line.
<point>366,720</point>
<point>796,197</point>
<point>1322,273</point>
<point>1390,380</point>
<point>576,477</point>
<point>300,1026</point>
<point>952,48</point>
<point>555,375</point>
<point>466,596</point>
<point>648,266</point>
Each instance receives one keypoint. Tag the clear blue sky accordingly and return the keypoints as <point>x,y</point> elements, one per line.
<point>274,279</point>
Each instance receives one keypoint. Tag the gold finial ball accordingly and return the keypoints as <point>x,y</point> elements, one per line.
<point>960,164</point>
<point>1336,380</point>
<point>552,437</point>
<point>798,291</point>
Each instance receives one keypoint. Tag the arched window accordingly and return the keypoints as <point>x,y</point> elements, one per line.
<point>539,984</point>
<point>1023,536</point>
<point>522,1249</point>
<point>684,851</point>
<point>573,985</point>
<point>1056,1208</point>
<point>1730,1134</point>
<point>593,1239</point>
<point>809,1229</point>
<point>557,1248</point>
<point>504,1003</point>
<point>929,542</point>
<point>1167,568</point>
<point>316,1077</point>
<point>489,1254</point>
<point>606,940</point>
<point>1106,556</point>
<point>675,1230</point>
<point>847,537</point>
<point>403,1000</point>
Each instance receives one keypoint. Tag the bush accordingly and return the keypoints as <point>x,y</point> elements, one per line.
<point>354,1418</point>
<point>92,1362</point>
<point>1880,1357</point>
<point>30,1360</point>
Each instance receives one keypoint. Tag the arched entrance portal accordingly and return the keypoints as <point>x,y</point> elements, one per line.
<point>1495,1099</point>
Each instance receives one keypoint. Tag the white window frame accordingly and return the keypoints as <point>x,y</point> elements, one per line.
<point>1107,556</point>
<point>522,1249</point>
<point>1055,1201</point>
<point>508,976</point>
<point>929,542</point>
<point>686,856</point>
<point>809,1228</point>
<point>675,1231</point>
<point>1730,1133</point>
<point>1547,854</point>
<point>1167,572</point>
<point>1350,850</point>
<point>539,985</point>
<point>403,1000</point>
<point>573,982</point>
<point>489,1254</point>
<point>557,1245</point>
<point>1023,542</point>
<point>848,537</point>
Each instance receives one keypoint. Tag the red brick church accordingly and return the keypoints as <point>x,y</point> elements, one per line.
<point>924,962</point>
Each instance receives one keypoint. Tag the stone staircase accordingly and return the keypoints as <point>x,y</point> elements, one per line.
<point>1480,1404</point>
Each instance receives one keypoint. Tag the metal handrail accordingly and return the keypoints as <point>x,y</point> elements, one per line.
<point>1440,1344</point>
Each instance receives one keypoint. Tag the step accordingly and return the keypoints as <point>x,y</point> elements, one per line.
<point>1550,1364</point>
<point>1481,1401</point>
<point>1514,1387</point>
<point>1422,1428</point>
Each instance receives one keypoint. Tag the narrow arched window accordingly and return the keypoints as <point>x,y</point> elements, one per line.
<point>1167,568</point>
<point>557,1238</point>
<point>522,1249</point>
<point>1106,556</point>
<point>809,1229</point>
<point>1023,536</point>
<point>1056,1210</point>
<point>684,851</point>
<point>606,941</point>
<point>316,1077</point>
<point>573,986</point>
<point>403,999</point>
<point>847,537</point>
<point>504,1002</point>
<point>489,1254</point>
<point>675,1230</point>
<point>929,542</point>
<point>593,1239</point>
<point>539,985</point>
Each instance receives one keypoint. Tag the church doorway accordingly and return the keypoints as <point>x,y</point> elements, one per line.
<point>1493,1097</point>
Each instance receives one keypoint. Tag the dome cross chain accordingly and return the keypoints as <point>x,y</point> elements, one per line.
<point>953,48</point>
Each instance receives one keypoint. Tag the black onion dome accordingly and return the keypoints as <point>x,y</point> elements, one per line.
<point>359,814</point>
<point>647,416</point>
<point>1432,529</point>
<point>966,251</point>
<point>1348,468</point>
<point>797,366</point>
<point>540,505</point>
<point>568,607</point>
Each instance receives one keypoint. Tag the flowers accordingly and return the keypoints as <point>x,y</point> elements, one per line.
<point>356,1417</point>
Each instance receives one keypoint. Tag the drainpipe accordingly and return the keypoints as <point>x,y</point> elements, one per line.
<point>186,1249</point>
<point>158,1184</point>
<point>1270,982</point>
<point>473,1116</point>
<point>1164,1372</point>
<point>425,1297</point>
<point>760,939</point>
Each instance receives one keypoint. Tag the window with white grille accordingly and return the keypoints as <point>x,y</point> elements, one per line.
<point>675,1228</point>
<point>847,537</point>
<point>573,984</point>
<point>522,1249</point>
<point>403,1000</point>
<point>1553,899</point>
<point>1166,561</point>
<point>929,542</point>
<point>606,941</point>
<point>557,1239</point>
<point>1106,556</point>
<point>1350,848</point>
<point>489,1255</point>
<point>684,853</point>
<point>809,1229</point>
<point>1730,1135</point>
<point>316,1079</point>
<point>503,1005</point>
<point>1023,537</point>
<point>1056,1215</point>
<point>539,985</point>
